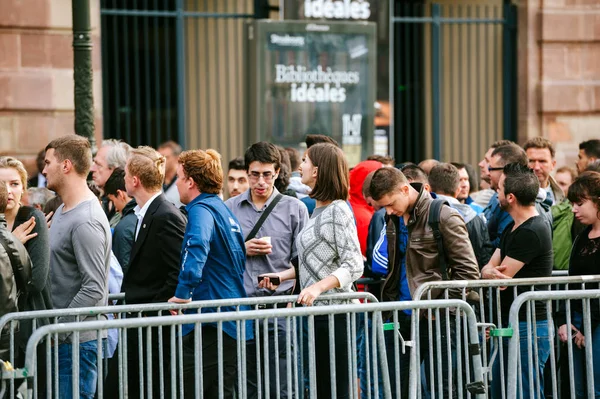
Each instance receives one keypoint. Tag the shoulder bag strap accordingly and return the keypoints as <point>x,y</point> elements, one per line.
<point>264,216</point>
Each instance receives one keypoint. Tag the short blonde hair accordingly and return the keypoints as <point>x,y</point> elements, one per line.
<point>14,163</point>
<point>204,168</point>
<point>148,165</point>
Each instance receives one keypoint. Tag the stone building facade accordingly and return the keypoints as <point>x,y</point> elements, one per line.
<point>558,73</point>
<point>36,75</point>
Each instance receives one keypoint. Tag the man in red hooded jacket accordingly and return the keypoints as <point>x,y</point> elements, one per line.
<point>363,212</point>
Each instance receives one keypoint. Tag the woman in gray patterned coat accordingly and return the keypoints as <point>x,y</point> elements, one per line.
<point>329,259</point>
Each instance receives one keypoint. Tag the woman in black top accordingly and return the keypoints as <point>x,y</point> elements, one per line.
<point>584,193</point>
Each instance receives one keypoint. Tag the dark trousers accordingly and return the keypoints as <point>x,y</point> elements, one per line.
<point>41,372</point>
<point>323,356</point>
<point>210,364</point>
<point>134,339</point>
<point>427,345</point>
<point>283,391</point>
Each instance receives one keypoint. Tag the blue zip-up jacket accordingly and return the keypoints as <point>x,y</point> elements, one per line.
<point>213,258</point>
<point>476,207</point>
<point>377,255</point>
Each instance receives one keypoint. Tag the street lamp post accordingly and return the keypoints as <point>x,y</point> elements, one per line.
<point>82,70</point>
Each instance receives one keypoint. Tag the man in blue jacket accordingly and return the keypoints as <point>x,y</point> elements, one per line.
<point>212,267</point>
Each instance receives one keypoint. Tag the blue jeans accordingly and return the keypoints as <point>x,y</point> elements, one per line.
<point>579,367</point>
<point>88,369</point>
<point>544,344</point>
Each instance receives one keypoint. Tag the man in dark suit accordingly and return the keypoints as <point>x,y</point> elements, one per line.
<point>154,261</point>
<point>153,270</point>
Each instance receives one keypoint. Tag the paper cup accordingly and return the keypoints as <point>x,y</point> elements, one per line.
<point>267,240</point>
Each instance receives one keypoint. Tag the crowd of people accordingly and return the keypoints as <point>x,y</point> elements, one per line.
<point>153,224</point>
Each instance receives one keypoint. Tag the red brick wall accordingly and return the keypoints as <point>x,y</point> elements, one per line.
<point>559,73</point>
<point>36,75</point>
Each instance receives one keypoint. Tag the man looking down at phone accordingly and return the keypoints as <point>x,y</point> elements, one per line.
<point>270,223</point>
<point>212,265</point>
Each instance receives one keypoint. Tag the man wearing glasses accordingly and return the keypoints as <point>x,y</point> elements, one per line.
<point>497,218</point>
<point>270,248</point>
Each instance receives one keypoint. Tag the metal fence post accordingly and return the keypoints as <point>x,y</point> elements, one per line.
<point>82,70</point>
<point>436,84</point>
<point>509,71</point>
<point>181,104</point>
<point>391,85</point>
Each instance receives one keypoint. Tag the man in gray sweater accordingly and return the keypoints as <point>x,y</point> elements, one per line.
<point>80,243</point>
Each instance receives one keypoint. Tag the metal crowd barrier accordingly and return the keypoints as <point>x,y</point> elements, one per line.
<point>379,280</point>
<point>9,323</point>
<point>488,305</point>
<point>516,385</point>
<point>116,297</point>
<point>292,317</point>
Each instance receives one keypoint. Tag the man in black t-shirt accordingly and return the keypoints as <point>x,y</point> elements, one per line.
<point>525,251</point>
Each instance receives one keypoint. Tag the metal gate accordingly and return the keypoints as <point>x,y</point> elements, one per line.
<point>453,85</point>
<point>172,70</point>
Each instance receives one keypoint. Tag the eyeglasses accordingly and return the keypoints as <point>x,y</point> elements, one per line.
<point>490,169</point>
<point>268,176</point>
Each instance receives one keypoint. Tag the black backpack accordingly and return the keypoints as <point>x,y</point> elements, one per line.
<point>435,211</point>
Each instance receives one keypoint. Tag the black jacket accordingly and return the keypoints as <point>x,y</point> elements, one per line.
<point>39,295</point>
<point>8,283</point>
<point>480,241</point>
<point>154,262</point>
<point>124,235</point>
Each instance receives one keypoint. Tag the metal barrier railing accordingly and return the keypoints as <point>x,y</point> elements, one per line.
<point>379,280</point>
<point>9,322</point>
<point>168,306</point>
<point>292,316</point>
<point>491,299</point>
<point>116,297</point>
<point>519,381</point>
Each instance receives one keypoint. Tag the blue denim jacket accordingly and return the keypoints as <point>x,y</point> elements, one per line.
<point>212,258</point>
<point>497,220</point>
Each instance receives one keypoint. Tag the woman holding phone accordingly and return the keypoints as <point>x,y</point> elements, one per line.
<point>329,258</point>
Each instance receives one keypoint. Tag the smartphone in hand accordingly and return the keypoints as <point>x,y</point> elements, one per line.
<point>274,280</point>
